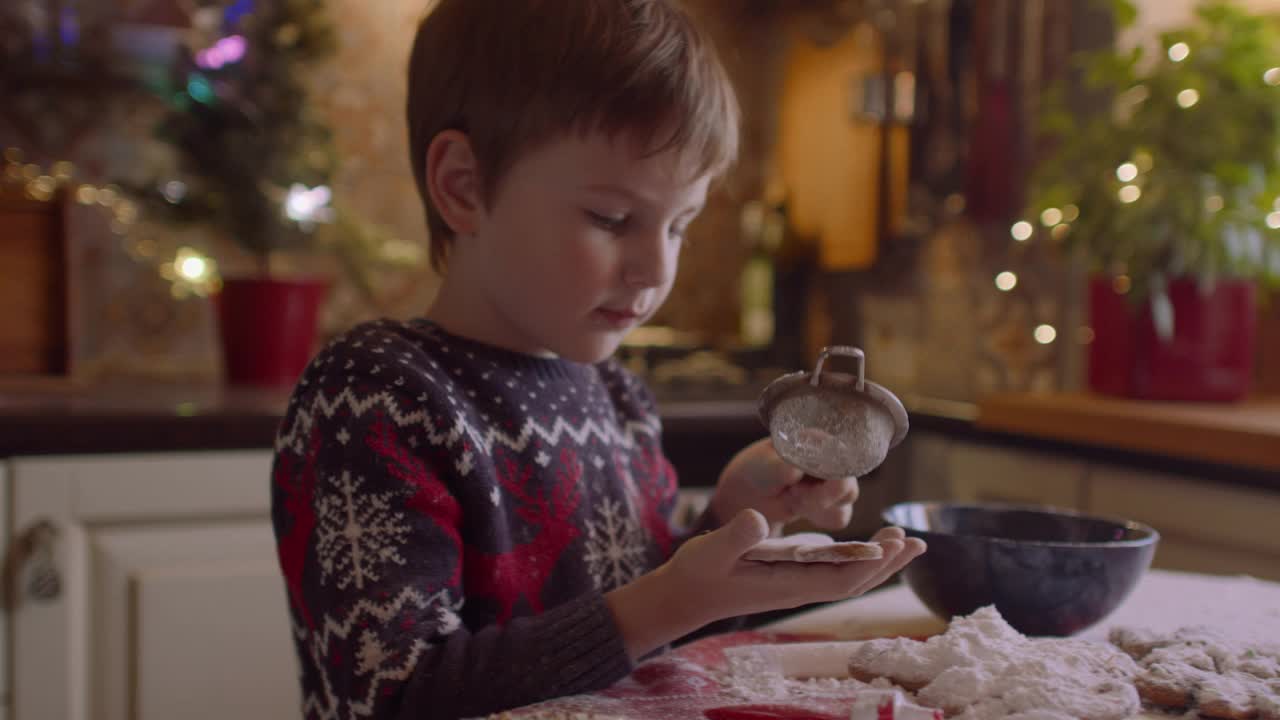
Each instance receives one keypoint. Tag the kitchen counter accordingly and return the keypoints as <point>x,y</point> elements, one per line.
<point>799,667</point>
<point>1238,607</point>
<point>1246,434</point>
<point>1164,600</point>
<point>1237,444</point>
<point>122,418</point>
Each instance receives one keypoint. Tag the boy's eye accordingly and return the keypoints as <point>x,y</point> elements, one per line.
<point>613,223</point>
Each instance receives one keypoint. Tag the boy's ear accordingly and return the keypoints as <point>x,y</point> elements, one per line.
<point>453,179</point>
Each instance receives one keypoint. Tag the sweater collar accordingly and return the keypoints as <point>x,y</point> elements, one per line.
<point>542,368</point>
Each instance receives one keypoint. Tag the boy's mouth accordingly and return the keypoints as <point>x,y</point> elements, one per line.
<point>618,318</point>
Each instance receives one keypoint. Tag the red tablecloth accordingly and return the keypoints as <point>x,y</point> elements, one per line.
<point>686,683</point>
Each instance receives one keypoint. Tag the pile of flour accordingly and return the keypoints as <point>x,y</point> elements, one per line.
<point>753,674</point>
<point>983,669</point>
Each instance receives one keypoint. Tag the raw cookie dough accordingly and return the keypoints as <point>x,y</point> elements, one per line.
<point>811,547</point>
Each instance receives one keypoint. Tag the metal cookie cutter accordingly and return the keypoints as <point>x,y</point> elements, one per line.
<point>831,424</point>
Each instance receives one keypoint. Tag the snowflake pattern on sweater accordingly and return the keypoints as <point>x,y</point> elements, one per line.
<point>448,516</point>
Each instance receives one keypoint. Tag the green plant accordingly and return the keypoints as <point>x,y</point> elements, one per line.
<point>1181,176</point>
<point>257,160</point>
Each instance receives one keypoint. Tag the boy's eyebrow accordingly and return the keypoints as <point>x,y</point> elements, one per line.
<point>634,196</point>
<point>614,189</point>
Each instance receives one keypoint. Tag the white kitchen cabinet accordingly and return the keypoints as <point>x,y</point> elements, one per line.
<point>5,696</point>
<point>1204,527</point>
<point>170,602</point>
<point>982,473</point>
<point>928,466</point>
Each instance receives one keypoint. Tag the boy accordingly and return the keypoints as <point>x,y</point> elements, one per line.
<point>472,509</point>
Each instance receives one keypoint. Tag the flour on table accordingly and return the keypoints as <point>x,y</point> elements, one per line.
<point>753,674</point>
<point>983,669</point>
<point>556,715</point>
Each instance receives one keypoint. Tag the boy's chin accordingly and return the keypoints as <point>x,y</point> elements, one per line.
<point>590,351</point>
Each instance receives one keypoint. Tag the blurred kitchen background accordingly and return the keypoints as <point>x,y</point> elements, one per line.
<point>887,197</point>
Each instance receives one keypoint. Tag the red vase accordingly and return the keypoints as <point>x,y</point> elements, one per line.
<point>1209,356</point>
<point>268,328</point>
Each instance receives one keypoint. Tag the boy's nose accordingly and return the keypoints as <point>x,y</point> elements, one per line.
<point>650,265</point>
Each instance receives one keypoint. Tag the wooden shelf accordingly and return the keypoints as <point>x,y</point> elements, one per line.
<point>1245,434</point>
<point>35,338</point>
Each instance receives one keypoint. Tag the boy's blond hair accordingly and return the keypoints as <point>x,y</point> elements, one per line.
<point>513,74</point>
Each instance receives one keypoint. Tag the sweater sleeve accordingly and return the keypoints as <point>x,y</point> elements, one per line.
<point>570,649</point>
<point>369,536</point>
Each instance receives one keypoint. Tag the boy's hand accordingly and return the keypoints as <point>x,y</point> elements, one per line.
<point>707,580</point>
<point>760,479</point>
<point>710,568</point>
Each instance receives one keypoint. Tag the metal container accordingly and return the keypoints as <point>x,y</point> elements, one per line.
<point>832,425</point>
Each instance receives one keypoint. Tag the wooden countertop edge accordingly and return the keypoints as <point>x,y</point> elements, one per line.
<point>1208,434</point>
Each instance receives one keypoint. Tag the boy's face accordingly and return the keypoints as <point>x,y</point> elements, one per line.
<point>579,245</point>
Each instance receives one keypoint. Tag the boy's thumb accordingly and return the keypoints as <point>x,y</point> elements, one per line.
<point>742,533</point>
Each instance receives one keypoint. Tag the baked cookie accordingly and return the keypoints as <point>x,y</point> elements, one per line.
<point>809,547</point>
<point>1202,670</point>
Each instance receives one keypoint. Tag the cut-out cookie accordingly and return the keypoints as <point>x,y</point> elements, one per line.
<point>1202,670</point>
<point>813,548</point>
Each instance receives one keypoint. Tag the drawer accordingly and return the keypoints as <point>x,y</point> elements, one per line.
<point>989,474</point>
<point>1204,527</point>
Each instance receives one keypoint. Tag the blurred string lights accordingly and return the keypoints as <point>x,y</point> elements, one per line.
<point>303,215</point>
<point>1177,176</point>
<point>226,51</point>
<point>259,159</point>
<point>1057,221</point>
<point>189,272</point>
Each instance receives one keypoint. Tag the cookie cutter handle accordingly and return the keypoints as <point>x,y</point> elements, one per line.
<point>842,351</point>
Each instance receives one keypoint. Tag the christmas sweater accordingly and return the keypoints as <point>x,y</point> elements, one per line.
<point>448,516</point>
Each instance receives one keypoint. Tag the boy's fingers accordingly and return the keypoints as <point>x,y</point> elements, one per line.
<point>812,582</point>
<point>879,570</point>
<point>912,549</point>
<point>891,532</point>
<point>766,470</point>
<point>848,491</point>
<point>904,552</point>
<point>825,493</point>
<point>739,535</point>
<point>810,497</point>
<point>832,518</point>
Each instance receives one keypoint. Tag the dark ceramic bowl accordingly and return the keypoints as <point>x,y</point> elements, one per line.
<point>1048,571</point>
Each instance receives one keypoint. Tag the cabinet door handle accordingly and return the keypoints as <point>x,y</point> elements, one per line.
<point>31,566</point>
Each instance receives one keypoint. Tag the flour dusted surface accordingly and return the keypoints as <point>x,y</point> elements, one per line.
<point>983,669</point>
<point>753,674</point>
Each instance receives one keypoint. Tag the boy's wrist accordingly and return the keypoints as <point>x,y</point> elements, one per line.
<point>654,610</point>
<point>688,608</point>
